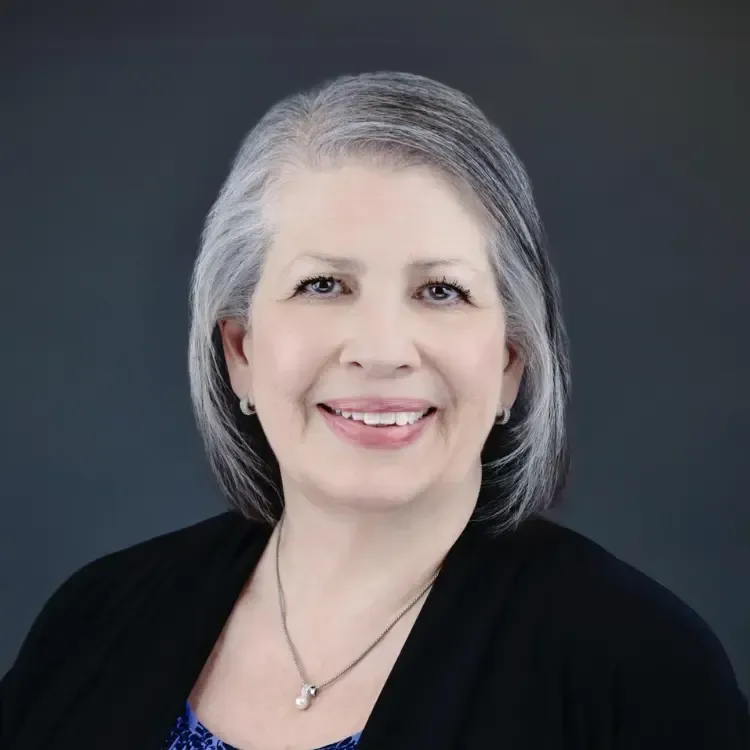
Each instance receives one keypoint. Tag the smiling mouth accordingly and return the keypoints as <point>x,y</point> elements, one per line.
<point>381,418</point>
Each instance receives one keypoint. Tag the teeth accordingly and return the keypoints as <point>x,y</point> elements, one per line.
<point>373,419</point>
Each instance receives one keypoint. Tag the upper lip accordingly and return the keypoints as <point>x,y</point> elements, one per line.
<point>374,404</point>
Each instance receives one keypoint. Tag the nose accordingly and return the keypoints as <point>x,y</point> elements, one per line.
<point>380,340</point>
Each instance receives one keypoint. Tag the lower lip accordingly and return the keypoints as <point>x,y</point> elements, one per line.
<point>392,436</point>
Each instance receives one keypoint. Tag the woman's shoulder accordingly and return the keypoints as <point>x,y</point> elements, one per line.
<point>176,550</point>
<point>199,538</point>
<point>622,633</point>
<point>588,588</point>
<point>126,590</point>
<point>109,585</point>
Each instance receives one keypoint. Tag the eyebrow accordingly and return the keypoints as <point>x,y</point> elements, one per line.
<point>349,265</point>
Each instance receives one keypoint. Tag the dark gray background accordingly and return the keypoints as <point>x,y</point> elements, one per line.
<point>117,127</point>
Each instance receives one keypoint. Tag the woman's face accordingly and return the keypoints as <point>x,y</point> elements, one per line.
<point>375,355</point>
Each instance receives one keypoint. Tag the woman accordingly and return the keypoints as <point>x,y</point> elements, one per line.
<point>373,291</point>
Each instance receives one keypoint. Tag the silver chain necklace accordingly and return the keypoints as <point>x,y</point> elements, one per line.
<point>309,689</point>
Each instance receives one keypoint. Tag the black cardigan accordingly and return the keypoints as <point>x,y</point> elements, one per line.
<point>538,638</point>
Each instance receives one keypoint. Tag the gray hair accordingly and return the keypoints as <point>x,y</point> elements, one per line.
<point>398,119</point>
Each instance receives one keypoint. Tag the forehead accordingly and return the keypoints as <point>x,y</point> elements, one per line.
<point>357,210</point>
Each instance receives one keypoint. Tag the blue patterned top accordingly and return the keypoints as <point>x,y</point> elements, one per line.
<point>189,734</point>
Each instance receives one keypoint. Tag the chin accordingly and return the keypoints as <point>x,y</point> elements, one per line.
<point>370,494</point>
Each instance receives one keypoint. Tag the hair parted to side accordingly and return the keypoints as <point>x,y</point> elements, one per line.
<point>398,120</point>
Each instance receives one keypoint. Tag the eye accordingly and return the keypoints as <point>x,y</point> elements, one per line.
<point>444,292</point>
<point>319,286</point>
<point>439,292</point>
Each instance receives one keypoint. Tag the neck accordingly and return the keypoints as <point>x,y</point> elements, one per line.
<point>345,562</point>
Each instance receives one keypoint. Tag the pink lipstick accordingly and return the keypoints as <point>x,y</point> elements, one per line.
<point>346,417</point>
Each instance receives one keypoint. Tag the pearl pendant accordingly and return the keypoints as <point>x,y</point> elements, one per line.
<point>304,699</point>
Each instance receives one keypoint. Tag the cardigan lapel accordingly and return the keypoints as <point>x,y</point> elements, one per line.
<point>175,657</point>
<point>129,690</point>
<point>429,694</point>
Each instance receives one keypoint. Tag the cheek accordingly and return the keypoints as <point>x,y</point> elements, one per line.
<point>474,360</point>
<point>286,356</point>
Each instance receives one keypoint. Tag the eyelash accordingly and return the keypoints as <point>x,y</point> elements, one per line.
<point>463,293</point>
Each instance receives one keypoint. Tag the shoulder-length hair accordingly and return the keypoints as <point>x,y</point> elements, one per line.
<point>395,119</point>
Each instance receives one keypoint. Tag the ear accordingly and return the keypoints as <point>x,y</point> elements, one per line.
<point>512,374</point>
<point>235,338</point>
